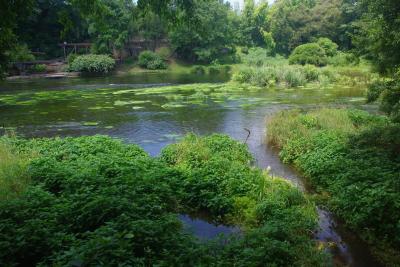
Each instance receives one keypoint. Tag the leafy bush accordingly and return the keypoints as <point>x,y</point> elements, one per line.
<point>38,68</point>
<point>344,59</point>
<point>71,57</point>
<point>311,72</point>
<point>151,61</point>
<point>92,64</point>
<point>388,93</point>
<point>354,157</point>
<point>219,179</point>
<point>21,52</point>
<point>198,70</point>
<point>310,53</point>
<point>94,200</point>
<point>164,52</point>
<point>329,47</point>
<point>92,195</point>
<point>256,56</point>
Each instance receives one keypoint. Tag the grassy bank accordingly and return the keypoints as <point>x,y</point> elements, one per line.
<point>289,76</point>
<point>95,200</point>
<point>352,159</point>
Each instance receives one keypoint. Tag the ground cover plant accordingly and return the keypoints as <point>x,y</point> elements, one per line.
<point>352,159</point>
<point>96,201</point>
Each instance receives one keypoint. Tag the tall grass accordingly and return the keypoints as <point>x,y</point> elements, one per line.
<point>282,75</point>
<point>14,177</point>
<point>290,124</point>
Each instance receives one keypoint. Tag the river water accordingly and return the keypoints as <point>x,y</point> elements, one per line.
<point>129,108</point>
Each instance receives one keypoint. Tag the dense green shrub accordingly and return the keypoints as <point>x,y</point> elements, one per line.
<point>164,52</point>
<point>92,196</point>
<point>93,201</point>
<point>151,61</point>
<point>92,64</point>
<point>310,53</point>
<point>354,156</point>
<point>20,52</point>
<point>329,47</point>
<point>220,179</point>
<point>388,93</point>
<point>71,57</point>
<point>256,56</point>
<point>344,59</point>
<point>198,70</point>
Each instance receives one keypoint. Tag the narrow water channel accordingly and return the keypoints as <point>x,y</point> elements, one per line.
<point>75,107</point>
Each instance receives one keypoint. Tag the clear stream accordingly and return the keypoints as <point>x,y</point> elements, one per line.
<point>129,108</point>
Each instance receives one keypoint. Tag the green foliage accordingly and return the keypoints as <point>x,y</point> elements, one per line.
<point>354,156</point>
<point>377,33</point>
<point>256,56</point>
<point>344,59</point>
<point>11,13</point>
<point>151,60</point>
<point>164,52</point>
<point>92,196</point>
<point>93,64</point>
<point>294,23</point>
<point>21,53</point>
<point>388,93</point>
<point>219,179</point>
<point>329,47</point>
<point>14,176</point>
<point>310,53</point>
<point>38,68</point>
<point>289,76</point>
<point>94,200</point>
<point>71,57</point>
<point>207,33</point>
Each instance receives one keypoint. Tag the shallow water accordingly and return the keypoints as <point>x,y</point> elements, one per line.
<point>206,230</point>
<point>129,108</point>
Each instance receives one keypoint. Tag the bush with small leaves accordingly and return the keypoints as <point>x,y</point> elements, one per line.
<point>311,53</point>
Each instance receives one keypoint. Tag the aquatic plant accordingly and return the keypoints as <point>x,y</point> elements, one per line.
<point>353,159</point>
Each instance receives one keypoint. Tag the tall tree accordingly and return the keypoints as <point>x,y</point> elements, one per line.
<point>378,34</point>
<point>206,33</point>
<point>10,12</point>
<point>297,22</point>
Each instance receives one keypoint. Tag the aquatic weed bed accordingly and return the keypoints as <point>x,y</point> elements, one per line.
<point>97,201</point>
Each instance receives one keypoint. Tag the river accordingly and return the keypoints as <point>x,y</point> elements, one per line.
<point>125,107</point>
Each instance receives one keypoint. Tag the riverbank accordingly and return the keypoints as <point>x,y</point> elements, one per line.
<point>351,159</point>
<point>94,194</point>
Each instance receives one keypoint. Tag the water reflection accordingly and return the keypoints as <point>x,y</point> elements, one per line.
<point>205,230</point>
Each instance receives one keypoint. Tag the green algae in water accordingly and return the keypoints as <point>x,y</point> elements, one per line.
<point>90,123</point>
<point>100,108</point>
<point>137,107</point>
<point>132,102</point>
<point>173,105</point>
